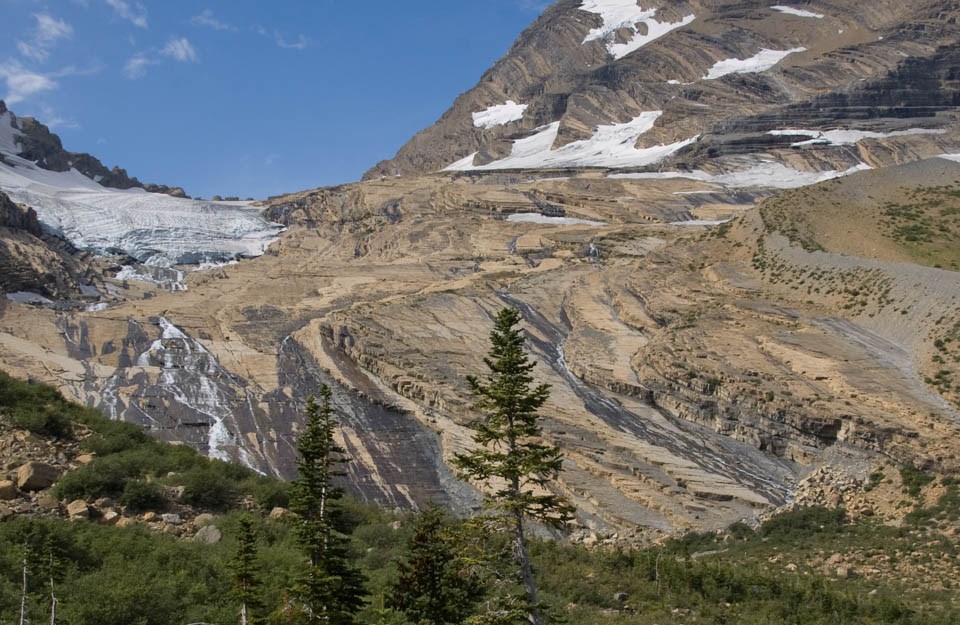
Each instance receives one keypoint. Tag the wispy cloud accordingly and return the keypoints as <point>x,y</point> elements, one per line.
<point>22,82</point>
<point>180,49</point>
<point>137,66</point>
<point>47,33</point>
<point>299,44</point>
<point>136,14</point>
<point>208,19</point>
<point>55,120</point>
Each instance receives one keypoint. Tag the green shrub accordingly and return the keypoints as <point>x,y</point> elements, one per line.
<point>207,488</point>
<point>141,496</point>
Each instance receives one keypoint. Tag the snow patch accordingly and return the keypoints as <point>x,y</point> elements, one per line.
<point>841,136</point>
<point>537,218</point>
<point>701,222</point>
<point>620,14</point>
<point>610,146</point>
<point>760,62</point>
<point>768,174</point>
<point>798,12</point>
<point>170,279</point>
<point>951,157</point>
<point>499,115</point>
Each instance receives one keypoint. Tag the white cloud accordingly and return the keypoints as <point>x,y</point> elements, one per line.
<point>180,50</point>
<point>55,120</point>
<point>299,44</point>
<point>48,32</point>
<point>137,66</point>
<point>23,83</point>
<point>207,18</point>
<point>137,14</point>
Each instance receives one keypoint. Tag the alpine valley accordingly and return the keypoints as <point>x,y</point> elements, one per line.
<point>732,230</point>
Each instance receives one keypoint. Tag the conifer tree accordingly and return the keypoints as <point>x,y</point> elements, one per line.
<point>435,585</point>
<point>330,590</point>
<point>510,461</point>
<point>246,581</point>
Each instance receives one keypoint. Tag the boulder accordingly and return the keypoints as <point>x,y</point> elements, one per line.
<point>5,513</point>
<point>48,502</point>
<point>279,513</point>
<point>208,534</point>
<point>203,519</point>
<point>78,509</point>
<point>34,476</point>
<point>110,517</point>
<point>172,519</point>
<point>126,522</point>
<point>85,458</point>
<point>8,490</point>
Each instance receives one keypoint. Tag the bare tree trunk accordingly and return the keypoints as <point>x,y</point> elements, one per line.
<point>243,614</point>
<point>53,596</point>
<point>526,570</point>
<point>23,595</point>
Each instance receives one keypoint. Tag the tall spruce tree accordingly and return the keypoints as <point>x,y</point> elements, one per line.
<point>435,585</point>
<point>510,460</point>
<point>330,590</point>
<point>246,581</point>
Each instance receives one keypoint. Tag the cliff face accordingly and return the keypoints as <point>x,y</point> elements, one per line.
<point>719,74</point>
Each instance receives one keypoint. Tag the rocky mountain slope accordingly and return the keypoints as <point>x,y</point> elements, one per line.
<point>702,370</point>
<point>703,83</point>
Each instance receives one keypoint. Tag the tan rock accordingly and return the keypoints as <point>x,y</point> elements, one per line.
<point>78,509</point>
<point>5,513</point>
<point>110,517</point>
<point>126,521</point>
<point>203,519</point>
<point>85,458</point>
<point>34,476</point>
<point>8,490</point>
<point>279,513</point>
<point>208,534</point>
<point>150,517</point>
<point>47,502</point>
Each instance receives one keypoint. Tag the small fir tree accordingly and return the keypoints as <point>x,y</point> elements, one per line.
<point>435,584</point>
<point>246,581</point>
<point>510,460</point>
<point>330,590</point>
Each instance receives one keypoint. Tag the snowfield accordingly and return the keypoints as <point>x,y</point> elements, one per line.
<point>798,12</point>
<point>537,218</point>
<point>767,174</point>
<point>499,115</point>
<point>153,228</point>
<point>627,14</point>
<point>842,136</point>
<point>760,62</point>
<point>610,146</point>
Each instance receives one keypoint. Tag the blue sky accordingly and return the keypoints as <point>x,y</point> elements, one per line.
<point>247,97</point>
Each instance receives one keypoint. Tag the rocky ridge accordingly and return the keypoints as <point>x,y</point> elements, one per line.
<point>43,147</point>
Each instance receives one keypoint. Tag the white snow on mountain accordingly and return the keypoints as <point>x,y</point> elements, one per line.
<point>760,62</point>
<point>499,115</point>
<point>766,174</point>
<point>798,12</point>
<point>537,218</point>
<point>610,146</point>
<point>154,228</point>
<point>8,135</point>
<point>620,14</point>
<point>842,136</point>
<point>951,157</point>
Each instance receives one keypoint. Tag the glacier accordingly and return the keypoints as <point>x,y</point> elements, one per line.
<point>153,228</point>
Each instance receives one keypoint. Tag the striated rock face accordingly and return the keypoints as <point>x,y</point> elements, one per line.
<point>720,75</point>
